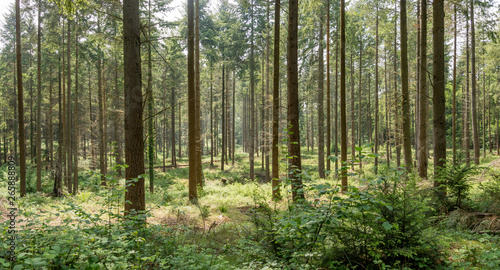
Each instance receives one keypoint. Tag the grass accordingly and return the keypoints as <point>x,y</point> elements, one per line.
<point>222,216</point>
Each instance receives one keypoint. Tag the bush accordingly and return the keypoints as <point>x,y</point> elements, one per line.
<point>385,223</point>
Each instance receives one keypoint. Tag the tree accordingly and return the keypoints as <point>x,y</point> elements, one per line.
<point>422,134</point>
<point>376,93</point>
<point>134,143</point>
<point>404,89</point>
<point>328,96</point>
<point>293,101</point>
<point>475,131</point>
<point>321,96</point>
<point>193,179</point>
<point>20,103</point>
<point>439,98</point>
<point>39,106</point>
<point>343,116</point>
<point>276,97</point>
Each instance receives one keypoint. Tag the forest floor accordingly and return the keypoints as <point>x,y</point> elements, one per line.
<point>224,214</point>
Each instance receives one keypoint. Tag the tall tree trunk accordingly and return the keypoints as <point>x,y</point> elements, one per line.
<point>293,102</point>
<point>422,133</point>
<point>75,119</point>
<point>134,143</point>
<point>336,133</point>
<point>69,128</point>
<point>359,98</point>
<point>454,126</point>
<point>397,114</point>
<point>439,98</point>
<point>50,123</point>
<point>404,89</point>
<point>321,96</point>
<point>172,121</point>
<point>211,117</point>
<point>376,93</point>
<point>353,130</point>
<point>149,98</point>
<point>252,100</point>
<point>222,161</point>
<point>267,100</point>
<point>276,100</point>
<point>193,174</point>
<point>328,96</point>
<point>20,103</point>
<point>473,84</point>
<point>343,116</point>
<point>199,174</point>
<point>234,119</point>
<point>467,96</point>
<point>387,124</point>
<point>38,106</point>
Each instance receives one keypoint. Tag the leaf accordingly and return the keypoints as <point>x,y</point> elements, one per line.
<point>358,148</point>
<point>18,267</point>
<point>387,225</point>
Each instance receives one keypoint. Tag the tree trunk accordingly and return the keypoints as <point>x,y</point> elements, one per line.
<point>439,97</point>
<point>38,107</point>
<point>75,119</point>
<point>172,121</point>
<point>343,116</point>
<point>20,103</point>
<point>328,96</point>
<point>404,89</point>
<point>454,126</point>
<point>321,96</point>
<point>422,133</point>
<point>376,93</point>
<point>193,175</point>
<point>222,161</point>
<point>276,100</point>
<point>293,102</point>
<point>134,143</point>
<point>199,174</point>
<point>149,98</point>
<point>252,101</point>
<point>473,84</point>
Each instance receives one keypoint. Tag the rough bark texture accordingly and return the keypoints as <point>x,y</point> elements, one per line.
<point>276,110</point>
<point>38,108</point>
<point>252,102</point>
<point>343,116</point>
<point>20,104</point>
<point>454,126</point>
<point>376,93</point>
<point>404,90</point>
<point>328,96</point>
<point>475,130</point>
<point>422,134</point>
<point>293,102</point>
<point>321,96</point>
<point>193,179</point>
<point>439,97</point>
<point>134,143</point>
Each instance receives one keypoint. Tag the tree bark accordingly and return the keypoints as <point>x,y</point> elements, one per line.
<point>343,116</point>
<point>439,98</point>
<point>134,143</point>
<point>404,90</point>
<point>20,104</point>
<point>276,96</point>
<point>376,93</point>
<point>422,133</point>
<point>473,84</point>
<point>321,96</point>
<point>193,174</point>
<point>38,106</point>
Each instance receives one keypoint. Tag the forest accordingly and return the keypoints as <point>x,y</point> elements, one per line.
<point>250,134</point>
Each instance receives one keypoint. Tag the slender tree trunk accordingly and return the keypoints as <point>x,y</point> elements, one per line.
<point>267,100</point>
<point>321,96</point>
<point>387,123</point>
<point>149,98</point>
<point>172,121</point>
<point>336,133</point>
<point>276,97</point>
<point>199,174</point>
<point>376,93</point>
<point>473,84</point>
<point>38,107</point>
<point>343,116</point>
<point>404,90</point>
<point>328,96</point>
<point>467,96</point>
<point>252,101</point>
<point>75,119</point>
<point>211,117</point>
<point>353,130</point>
<point>20,103</point>
<point>439,98</point>
<point>422,134</point>
<point>454,126</point>
<point>51,129</point>
<point>193,175</point>
<point>222,161</point>
<point>359,98</point>
<point>134,143</point>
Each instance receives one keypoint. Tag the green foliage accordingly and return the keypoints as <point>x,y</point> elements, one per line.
<point>455,179</point>
<point>382,223</point>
